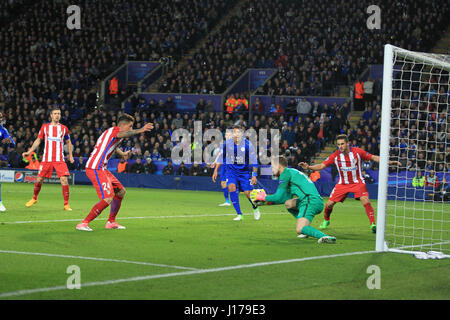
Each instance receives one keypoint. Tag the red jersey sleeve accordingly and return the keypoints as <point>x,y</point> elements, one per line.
<point>66,133</point>
<point>41,132</point>
<point>115,132</point>
<point>330,160</point>
<point>366,156</point>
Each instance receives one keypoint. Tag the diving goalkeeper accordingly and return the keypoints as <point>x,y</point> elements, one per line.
<point>300,196</point>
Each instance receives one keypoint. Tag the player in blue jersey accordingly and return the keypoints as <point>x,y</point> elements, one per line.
<point>239,157</point>
<point>223,172</point>
<point>4,138</point>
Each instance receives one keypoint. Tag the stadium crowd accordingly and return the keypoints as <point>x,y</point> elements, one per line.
<point>44,64</point>
<point>314,45</point>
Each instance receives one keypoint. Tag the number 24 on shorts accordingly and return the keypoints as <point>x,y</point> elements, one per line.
<point>106,187</point>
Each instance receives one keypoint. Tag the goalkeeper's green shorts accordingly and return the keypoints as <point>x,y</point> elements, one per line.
<point>308,208</point>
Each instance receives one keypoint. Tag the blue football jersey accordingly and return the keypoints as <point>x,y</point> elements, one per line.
<point>239,158</point>
<point>4,134</point>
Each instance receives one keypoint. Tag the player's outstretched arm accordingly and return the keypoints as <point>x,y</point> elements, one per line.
<point>36,144</point>
<point>316,167</point>
<point>279,197</point>
<point>121,153</point>
<point>130,133</point>
<point>258,196</point>
<point>377,159</point>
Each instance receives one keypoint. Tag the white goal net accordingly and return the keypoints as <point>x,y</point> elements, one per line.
<point>414,197</point>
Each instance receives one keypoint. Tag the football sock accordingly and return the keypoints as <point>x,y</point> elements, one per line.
<point>327,213</point>
<point>253,205</point>
<point>225,194</point>
<point>96,210</point>
<point>114,209</point>
<point>37,189</point>
<point>65,190</point>
<point>370,212</point>
<point>0,192</point>
<point>234,197</point>
<point>313,232</point>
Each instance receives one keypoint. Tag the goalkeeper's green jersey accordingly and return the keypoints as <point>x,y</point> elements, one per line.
<point>293,183</point>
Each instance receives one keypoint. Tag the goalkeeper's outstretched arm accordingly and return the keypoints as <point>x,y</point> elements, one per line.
<point>279,197</point>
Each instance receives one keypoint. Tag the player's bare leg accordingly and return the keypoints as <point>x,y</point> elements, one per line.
<point>369,211</point>
<point>326,214</point>
<point>65,190</point>
<point>37,189</point>
<point>114,210</point>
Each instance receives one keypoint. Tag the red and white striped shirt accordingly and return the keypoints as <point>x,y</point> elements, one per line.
<point>104,148</point>
<point>349,165</point>
<point>54,136</point>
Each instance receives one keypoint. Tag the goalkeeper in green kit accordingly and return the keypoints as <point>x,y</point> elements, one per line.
<point>300,196</point>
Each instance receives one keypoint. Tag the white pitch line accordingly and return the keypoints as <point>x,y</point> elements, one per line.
<point>146,217</point>
<point>176,274</point>
<point>154,217</point>
<point>96,259</point>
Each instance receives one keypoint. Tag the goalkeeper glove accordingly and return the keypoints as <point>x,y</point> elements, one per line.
<point>258,195</point>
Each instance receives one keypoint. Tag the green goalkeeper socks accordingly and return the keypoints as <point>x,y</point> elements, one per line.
<point>313,232</point>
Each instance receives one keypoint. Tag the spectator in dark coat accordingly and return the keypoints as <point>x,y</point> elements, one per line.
<point>291,107</point>
<point>137,167</point>
<point>200,107</point>
<point>79,165</point>
<point>182,170</point>
<point>168,169</point>
<point>149,166</point>
<point>195,170</point>
<point>207,171</point>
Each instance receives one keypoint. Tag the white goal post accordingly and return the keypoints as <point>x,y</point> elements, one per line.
<point>411,217</point>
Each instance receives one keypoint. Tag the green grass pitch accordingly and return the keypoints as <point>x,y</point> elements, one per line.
<point>181,245</point>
